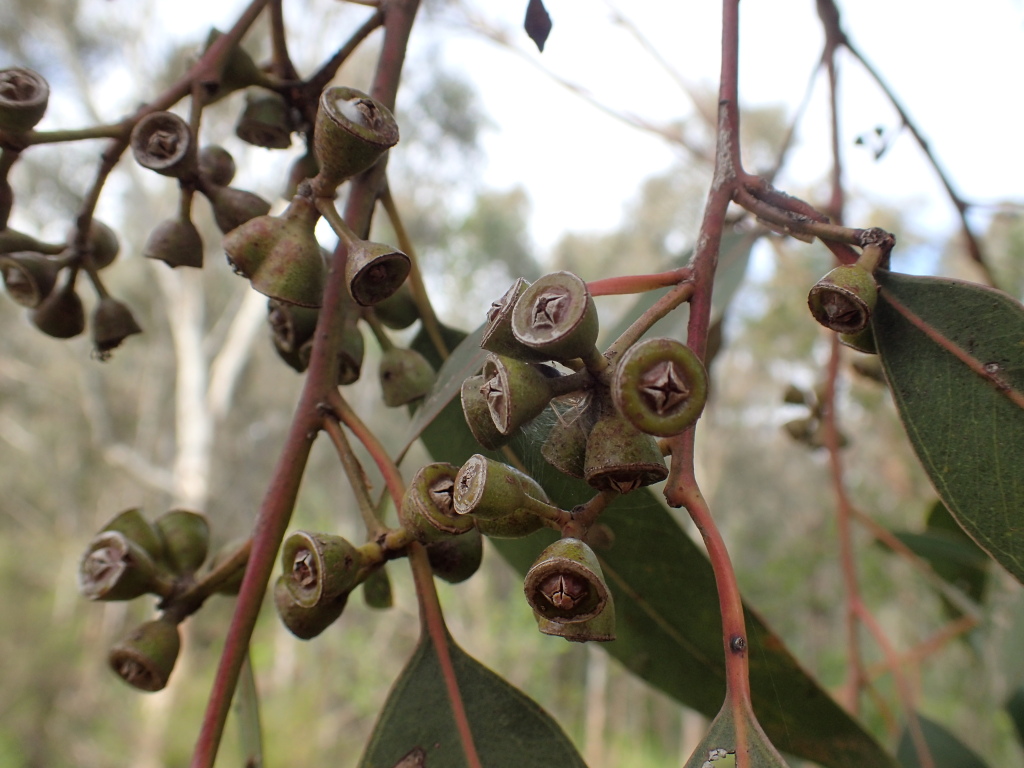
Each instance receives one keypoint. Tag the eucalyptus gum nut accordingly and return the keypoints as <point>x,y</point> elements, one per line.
<point>350,355</point>
<point>801,430</point>
<point>305,622</point>
<point>145,657</point>
<point>566,446</point>
<point>320,568</point>
<point>498,337</point>
<point>266,120</point>
<point>163,142</point>
<point>565,584</point>
<point>512,525</point>
<point>428,510</point>
<point>186,539</point>
<point>101,244</point>
<point>280,254</point>
<point>405,375</point>
<point>239,70</point>
<point>489,490</point>
<point>115,568</point>
<point>216,165</point>
<point>478,415</point>
<point>516,392</point>
<point>794,395</point>
<point>600,629</point>
<point>352,131</point>
<point>556,316</point>
<point>457,558</point>
<point>398,311</point>
<point>377,589</point>
<point>843,300</point>
<point>233,207</point>
<point>137,529</point>
<point>24,95</point>
<point>60,314</point>
<point>233,584</point>
<point>28,277</point>
<point>176,242</point>
<point>862,341</point>
<point>660,386</point>
<point>291,326</point>
<point>374,271</point>
<point>620,457</point>
<point>112,323</point>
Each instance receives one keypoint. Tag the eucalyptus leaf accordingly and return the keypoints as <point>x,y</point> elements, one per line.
<point>720,748</point>
<point>509,729</point>
<point>946,750</point>
<point>953,354</point>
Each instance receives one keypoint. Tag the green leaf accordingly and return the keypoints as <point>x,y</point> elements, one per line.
<point>953,355</point>
<point>509,729</point>
<point>668,619</point>
<point>1015,709</point>
<point>947,750</point>
<point>719,748</point>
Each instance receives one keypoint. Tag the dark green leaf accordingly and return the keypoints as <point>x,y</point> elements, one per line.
<point>953,354</point>
<point>947,750</point>
<point>668,619</point>
<point>509,729</point>
<point>719,747</point>
<point>1015,709</point>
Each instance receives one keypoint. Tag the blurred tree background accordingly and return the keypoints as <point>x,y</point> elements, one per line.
<point>193,414</point>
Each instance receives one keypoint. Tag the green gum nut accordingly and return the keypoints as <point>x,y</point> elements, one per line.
<point>291,326</point>
<point>565,585</point>
<point>377,589</point>
<point>352,131</point>
<point>660,386</point>
<point>176,242</point>
<point>374,271</point>
<point>516,392</point>
<point>304,167</point>
<point>398,311</point>
<point>60,314</point>
<point>186,539</point>
<point>621,458</point>
<point>112,323</point>
<point>216,165</point>
<point>137,529</point>
<point>500,497</point>
<point>239,70</point>
<point>24,95</point>
<point>843,300</point>
<point>305,622</point>
<point>350,355</point>
<point>488,489</point>
<point>233,207</point>
<point>115,568</point>
<point>28,277</point>
<point>163,142</point>
<point>280,254</point>
<point>478,414</point>
<point>456,559</point>
<point>599,629</point>
<point>862,341</point>
<point>145,657</point>
<point>566,445</point>
<point>266,120</point>
<point>498,337</point>
<point>556,316</point>
<point>428,509</point>
<point>405,376</point>
<point>319,569</point>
